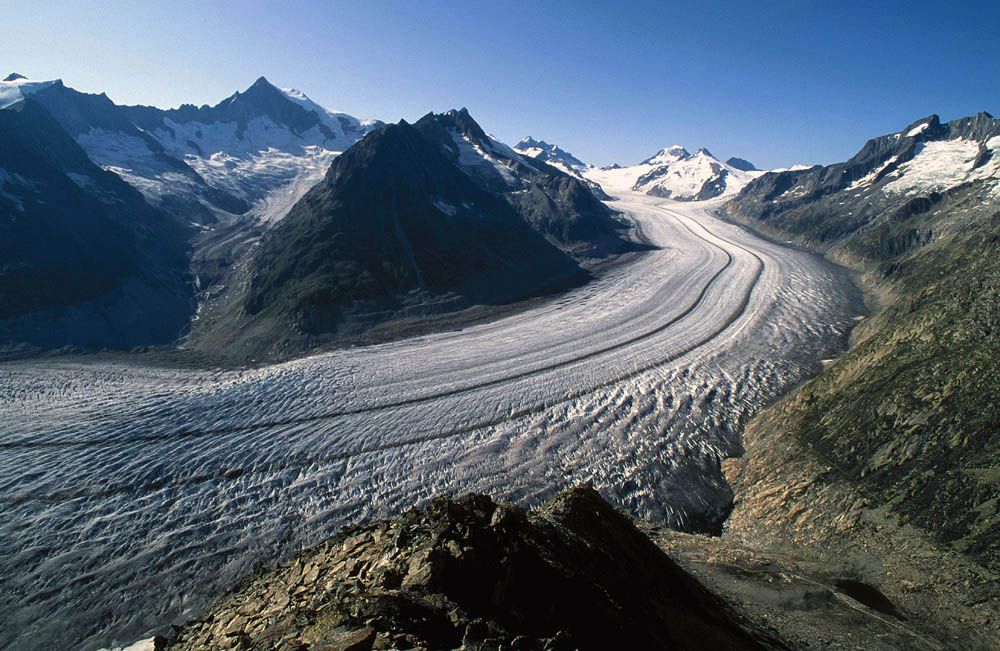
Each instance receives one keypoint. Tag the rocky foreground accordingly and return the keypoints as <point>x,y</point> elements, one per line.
<point>574,574</point>
<point>472,574</point>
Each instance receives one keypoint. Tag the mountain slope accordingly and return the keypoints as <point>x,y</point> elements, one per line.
<point>85,260</point>
<point>905,422</point>
<point>551,154</point>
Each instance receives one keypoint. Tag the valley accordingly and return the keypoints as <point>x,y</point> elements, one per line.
<point>134,494</point>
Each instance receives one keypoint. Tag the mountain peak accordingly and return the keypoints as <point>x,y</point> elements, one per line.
<point>528,142</point>
<point>672,153</point>
<point>548,153</point>
<point>741,164</point>
<point>460,120</point>
<point>705,152</point>
<point>14,76</point>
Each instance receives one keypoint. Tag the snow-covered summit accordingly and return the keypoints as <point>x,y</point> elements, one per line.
<point>335,120</point>
<point>15,87</point>
<point>551,154</point>
<point>667,155</point>
<point>675,173</point>
<point>257,150</point>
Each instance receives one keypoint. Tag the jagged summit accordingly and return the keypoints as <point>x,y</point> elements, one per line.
<point>14,76</point>
<point>551,154</point>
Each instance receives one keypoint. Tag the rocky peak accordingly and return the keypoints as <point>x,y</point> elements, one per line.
<point>741,164</point>
<point>528,142</point>
<point>462,122</point>
<point>14,77</point>
<point>473,574</point>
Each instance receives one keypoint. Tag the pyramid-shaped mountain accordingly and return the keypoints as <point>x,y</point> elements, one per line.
<point>396,222</point>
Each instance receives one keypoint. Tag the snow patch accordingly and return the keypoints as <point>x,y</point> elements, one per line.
<point>12,178</point>
<point>916,131</point>
<point>446,208</point>
<point>12,92</point>
<point>473,155</point>
<point>868,178</point>
<point>937,165</point>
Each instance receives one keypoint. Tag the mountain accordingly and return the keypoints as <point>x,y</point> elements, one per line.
<point>551,154</point>
<point>473,221</point>
<point>256,151</point>
<point>893,449</point>
<point>412,221</point>
<point>84,260</point>
<point>472,574</point>
<point>741,164</point>
<point>561,160</point>
<point>559,206</point>
<point>675,173</point>
<point>892,179</point>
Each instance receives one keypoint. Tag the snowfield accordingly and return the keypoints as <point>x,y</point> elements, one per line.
<point>131,495</point>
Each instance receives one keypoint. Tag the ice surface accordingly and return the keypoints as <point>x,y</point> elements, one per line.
<point>131,495</point>
<point>937,165</point>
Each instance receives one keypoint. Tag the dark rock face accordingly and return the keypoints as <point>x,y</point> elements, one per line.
<point>84,260</point>
<point>394,215</point>
<point>741,164</point>
<point>575,574</point>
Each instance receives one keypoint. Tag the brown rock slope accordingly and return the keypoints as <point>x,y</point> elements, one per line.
<point>476,575</point>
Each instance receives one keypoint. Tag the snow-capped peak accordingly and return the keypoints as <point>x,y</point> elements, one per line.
<point>675,173</point>
<point>551,154</point>
<point>336,120</point>
<point>16,87</point>
<point>671,154</point>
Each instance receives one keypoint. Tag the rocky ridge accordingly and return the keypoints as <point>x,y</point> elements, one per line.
<point>472,574</point>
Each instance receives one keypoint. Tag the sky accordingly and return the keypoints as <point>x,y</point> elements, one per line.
<point>775,82</point>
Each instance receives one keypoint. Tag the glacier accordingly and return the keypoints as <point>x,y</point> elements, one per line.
<point>132,494</point>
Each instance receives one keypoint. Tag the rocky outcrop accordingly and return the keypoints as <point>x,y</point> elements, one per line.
<point>472,574</point>
<point>741,164</point>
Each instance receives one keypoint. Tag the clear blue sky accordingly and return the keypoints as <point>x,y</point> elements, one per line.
<point>775,82</point>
